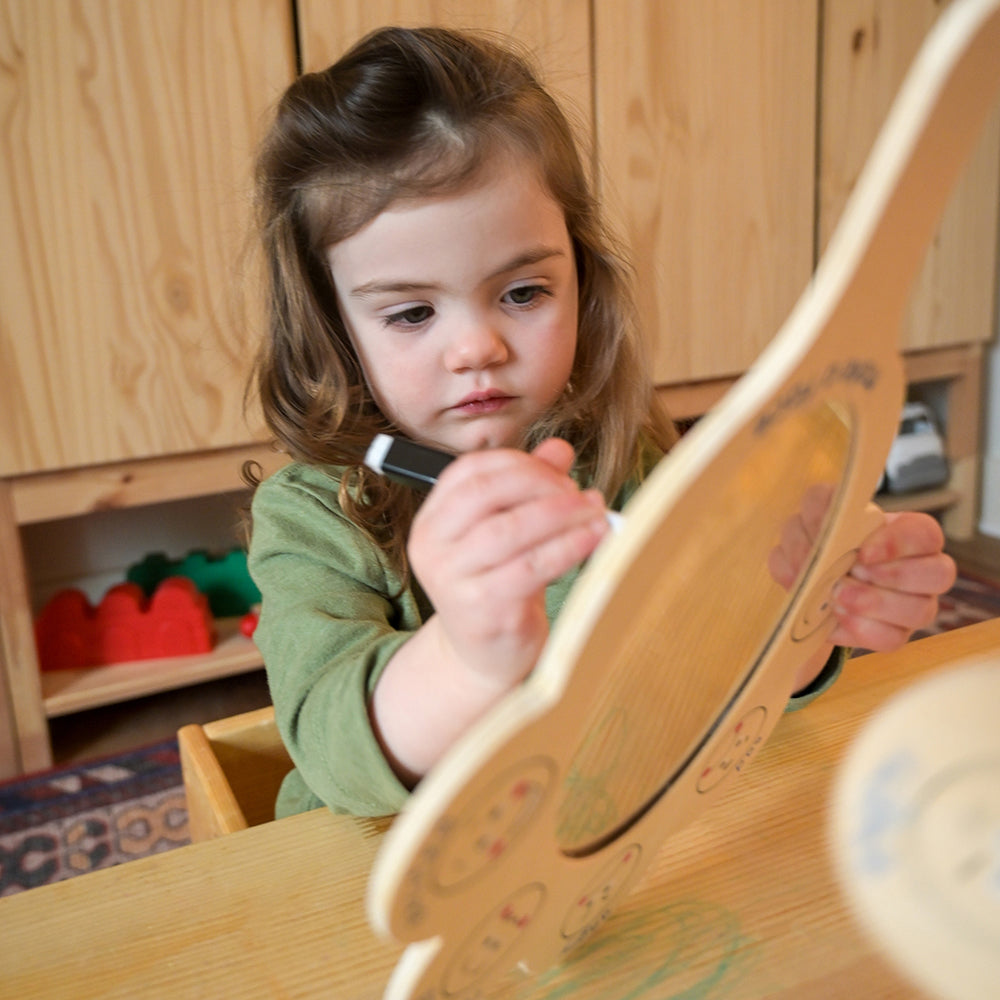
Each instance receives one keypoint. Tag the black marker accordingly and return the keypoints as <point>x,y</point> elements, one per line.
<point>406,462</point>
<point>418,466</point>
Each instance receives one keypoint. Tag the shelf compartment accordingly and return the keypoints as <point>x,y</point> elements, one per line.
<point>926,500</point>
<point>68,691</point>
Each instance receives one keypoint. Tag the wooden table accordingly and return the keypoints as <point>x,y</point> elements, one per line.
<point>742,904</point>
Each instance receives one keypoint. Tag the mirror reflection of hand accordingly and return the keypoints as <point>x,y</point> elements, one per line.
<point>799,534</point>
<point>893,588</point>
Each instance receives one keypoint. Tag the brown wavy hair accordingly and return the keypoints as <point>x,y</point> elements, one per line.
<point>409,113</point>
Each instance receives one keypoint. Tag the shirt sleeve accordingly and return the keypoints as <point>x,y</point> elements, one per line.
<point>822,682</point>
<point>328,626</point>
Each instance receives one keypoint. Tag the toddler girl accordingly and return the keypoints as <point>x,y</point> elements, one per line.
<point>438,269</point>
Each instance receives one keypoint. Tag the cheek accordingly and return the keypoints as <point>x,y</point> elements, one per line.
<point>388,377</point>
<point>386,384</point>
<point>560,347</point>
<point>401,387</point>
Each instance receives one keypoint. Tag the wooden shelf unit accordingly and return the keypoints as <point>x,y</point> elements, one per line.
<point>29,698</point>
<point>929,500</point>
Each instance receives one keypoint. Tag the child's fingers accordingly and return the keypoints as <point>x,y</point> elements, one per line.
<point>482,483</point>
<point>815,505</point>
<point>503,519</point>
<point>793,550</point>
<point>798,534</point>
<point>902,535</point>
<point>868,633</point>
<point>534,567</point>
<point>513,532</point>
<point>557,453</point>
<point>780,567</point>
<point>893,588</point>
<point>925,574</point>
<point>877,618</point>
<point>854,599</point>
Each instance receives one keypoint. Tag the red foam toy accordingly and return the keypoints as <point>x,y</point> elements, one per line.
<point>248,623</point>
<point>175,621</point>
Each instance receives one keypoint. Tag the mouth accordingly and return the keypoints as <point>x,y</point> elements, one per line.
<point>483,402</point>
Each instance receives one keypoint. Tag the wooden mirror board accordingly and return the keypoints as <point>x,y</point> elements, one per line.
<point>675,654</point>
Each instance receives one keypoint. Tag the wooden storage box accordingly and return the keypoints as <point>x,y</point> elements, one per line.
<point>232,771</point>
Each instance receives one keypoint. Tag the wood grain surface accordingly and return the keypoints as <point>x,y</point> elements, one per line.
<point>867,47</point>
<point>124,201</point>
<point>706,116</point>
<point>741,905</point>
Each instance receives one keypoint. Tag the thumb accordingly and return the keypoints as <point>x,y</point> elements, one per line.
<point>557,453</point>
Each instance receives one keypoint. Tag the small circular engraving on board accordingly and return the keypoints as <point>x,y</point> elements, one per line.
<point>484,831</point>
<point>818,608</point>
<point>490,945</point>
<point>598,897</point>
<point>733,750</point>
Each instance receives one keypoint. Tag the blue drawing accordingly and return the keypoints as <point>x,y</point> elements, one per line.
<point>885,809</point>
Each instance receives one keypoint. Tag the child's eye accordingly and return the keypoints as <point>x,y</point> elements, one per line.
<point>526,295</point>
<point>413,316</point>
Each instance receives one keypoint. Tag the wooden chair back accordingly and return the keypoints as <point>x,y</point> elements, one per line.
<point>232,771</point>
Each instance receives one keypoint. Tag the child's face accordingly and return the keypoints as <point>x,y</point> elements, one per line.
<point>463,309</point>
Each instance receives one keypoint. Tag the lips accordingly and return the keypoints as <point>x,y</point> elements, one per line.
<point>483,402</point>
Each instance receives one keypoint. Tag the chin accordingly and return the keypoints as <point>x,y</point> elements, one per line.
<point>482,435</point>
<point>488,439</point>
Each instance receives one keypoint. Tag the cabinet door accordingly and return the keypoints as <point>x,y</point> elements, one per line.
<point>868,45</point>
<point>127,132</point>
<point>556,32</point>
<point>705,130</point>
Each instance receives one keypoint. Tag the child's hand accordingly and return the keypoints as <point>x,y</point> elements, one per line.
<point>892,589</point>
<point>894,586</point>
<point>498,527</point>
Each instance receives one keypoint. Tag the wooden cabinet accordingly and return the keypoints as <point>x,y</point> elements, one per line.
<point>127,135</point>
<point>731,136</point>
<point>706,116</point>
<point>124,196</point>
<point>868,45</point>
<point>709,118</point>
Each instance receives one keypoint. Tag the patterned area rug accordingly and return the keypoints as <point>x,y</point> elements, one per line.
<point>972,599</point>
<point>65,822</point>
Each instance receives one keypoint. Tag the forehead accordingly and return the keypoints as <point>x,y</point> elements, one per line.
<point>503,212</point>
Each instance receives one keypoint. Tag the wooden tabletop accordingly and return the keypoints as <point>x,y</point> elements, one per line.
<point>742,904</point>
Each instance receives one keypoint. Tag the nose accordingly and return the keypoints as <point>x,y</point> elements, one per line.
<point>475,344</point>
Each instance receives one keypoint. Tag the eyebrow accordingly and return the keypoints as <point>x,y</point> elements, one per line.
<point>533,256</point>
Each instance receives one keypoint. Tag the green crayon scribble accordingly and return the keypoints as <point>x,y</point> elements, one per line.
<point>588,807</point>
<point>684,951</point>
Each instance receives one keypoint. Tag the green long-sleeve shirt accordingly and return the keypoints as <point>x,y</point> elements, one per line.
<point>334,612</point>
<point>328,626</point>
